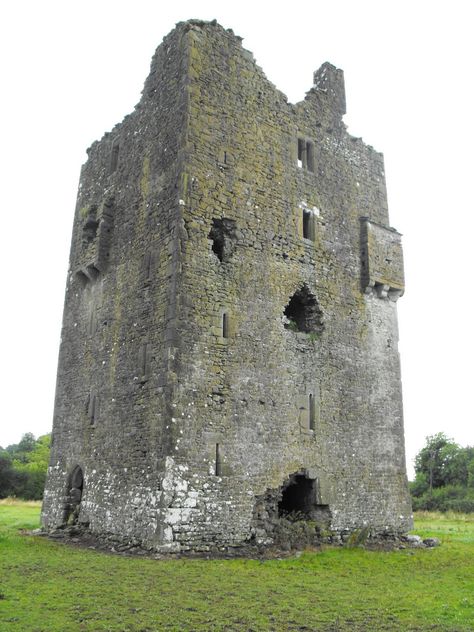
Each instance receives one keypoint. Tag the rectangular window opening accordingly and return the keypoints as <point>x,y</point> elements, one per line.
<point>306,154</point>
<point>310,155</point>
<point>308,225</point>
<point>301,153</point>
<point>225,325</point>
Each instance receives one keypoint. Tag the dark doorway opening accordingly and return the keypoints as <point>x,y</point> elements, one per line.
<point>298,496</point>
<point>77,478</point>
<point>75,489</point>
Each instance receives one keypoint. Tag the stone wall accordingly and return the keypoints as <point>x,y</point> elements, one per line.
<point>225,333</point>
<point>119,316</point>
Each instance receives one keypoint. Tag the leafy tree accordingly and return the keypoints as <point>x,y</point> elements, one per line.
<point>470,471</point>
<point>23,467</point>
<point>437,461</point>
<point>20,451</point>
<point>7,474</point>
<point>11,481</point>
<point>444,476</point>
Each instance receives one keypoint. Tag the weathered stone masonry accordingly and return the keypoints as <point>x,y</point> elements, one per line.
<point>229,345</point>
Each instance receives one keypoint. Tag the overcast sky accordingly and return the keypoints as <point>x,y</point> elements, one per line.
<point>71,70</point>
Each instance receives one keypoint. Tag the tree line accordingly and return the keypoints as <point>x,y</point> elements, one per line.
<point>23,467</point>
<point>444,476</point>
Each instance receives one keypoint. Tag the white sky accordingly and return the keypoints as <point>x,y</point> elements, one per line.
<point>71,70</point>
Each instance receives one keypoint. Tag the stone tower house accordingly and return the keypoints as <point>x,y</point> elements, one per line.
<point>229,345</point>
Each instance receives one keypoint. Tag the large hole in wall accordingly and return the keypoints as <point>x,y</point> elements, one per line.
<point>303,312</point>
<point>223,237</point>
<point>90,226</point>
<point>291,515</point>
<point>298,496</point>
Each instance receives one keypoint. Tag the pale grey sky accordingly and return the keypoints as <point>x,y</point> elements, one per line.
<point>71,70</point>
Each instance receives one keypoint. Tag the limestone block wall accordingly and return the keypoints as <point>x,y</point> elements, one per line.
<point>111,408</point>
<point>247,394</point>
<point>218,334</point>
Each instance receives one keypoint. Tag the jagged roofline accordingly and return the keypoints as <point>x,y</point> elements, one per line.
<point>325,79</point>
<point>320,76</point>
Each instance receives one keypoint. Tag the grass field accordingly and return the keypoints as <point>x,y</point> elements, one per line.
<point>47,586</point>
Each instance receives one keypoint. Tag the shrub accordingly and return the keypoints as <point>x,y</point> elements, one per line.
<point>447,498</point>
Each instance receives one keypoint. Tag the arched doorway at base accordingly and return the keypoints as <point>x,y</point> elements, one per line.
<point>74,492</point>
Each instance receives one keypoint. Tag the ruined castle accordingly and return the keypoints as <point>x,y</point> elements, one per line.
<point>229,355</point>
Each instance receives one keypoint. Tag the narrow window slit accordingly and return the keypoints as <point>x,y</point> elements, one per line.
<point>310,155</point>
<point>301,153</point>
<point>312,412</point>
<point>225,325</point>
<point>144,356</point>
<point>218,470</point>
<point>93,407</point>
<point>149,263</point>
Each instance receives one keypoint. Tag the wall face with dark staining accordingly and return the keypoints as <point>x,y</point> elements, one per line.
<point>119,316</point>
<point>227,201</point>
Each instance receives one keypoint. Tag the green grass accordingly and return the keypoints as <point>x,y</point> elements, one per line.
<point>48,586</point>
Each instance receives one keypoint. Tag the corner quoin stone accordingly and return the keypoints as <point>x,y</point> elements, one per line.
<point>229,350</point>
